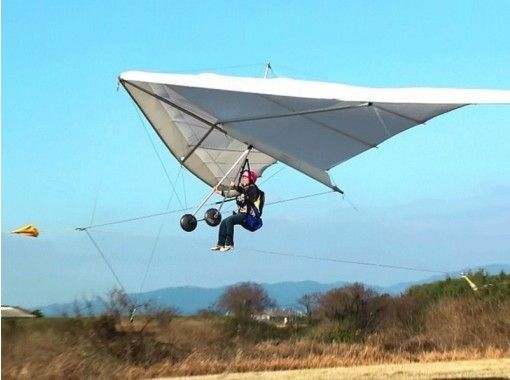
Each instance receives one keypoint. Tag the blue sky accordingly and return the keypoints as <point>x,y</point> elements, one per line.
<point>74,149</point>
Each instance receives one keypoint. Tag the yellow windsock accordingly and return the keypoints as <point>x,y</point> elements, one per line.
<point>28,230</point>
<point>471,283</point>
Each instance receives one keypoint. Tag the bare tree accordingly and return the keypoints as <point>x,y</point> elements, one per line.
<point>352,308</point>
<point>245,299</point>
<point>350,300</point>
<point>117,302</point>
<point>309,302</point>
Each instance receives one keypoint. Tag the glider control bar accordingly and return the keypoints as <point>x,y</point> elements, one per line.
<point>221,180</point>
<point>189,221</point>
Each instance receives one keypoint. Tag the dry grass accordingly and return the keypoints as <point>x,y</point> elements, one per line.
<point>70,349</point>
<point>457,322</point>
<point>488,368</point>
<point>107,347</point>
<point>267,357</point>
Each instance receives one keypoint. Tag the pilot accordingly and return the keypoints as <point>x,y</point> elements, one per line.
<point>247,195</point>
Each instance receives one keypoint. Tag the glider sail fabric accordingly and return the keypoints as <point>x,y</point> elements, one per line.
<point>190,134</point>
<point>208,120</point>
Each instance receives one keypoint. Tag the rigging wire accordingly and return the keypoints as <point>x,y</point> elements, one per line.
<point>100,149</point>
<point>350,202</point>
<point>190,208</point>
<point>105,259</point>
<point>95,205</point>
<point>290,69</point>
<point>134,219</point>
<point>330,259</point>
<point>272,175</point>
<point>267,69</point>
<point>157,154</point>
<point>224,68</point>
<point>183,180</point>
<point>298,198</point>
<point>156,242</point>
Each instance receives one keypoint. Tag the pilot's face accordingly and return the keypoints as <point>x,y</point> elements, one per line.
<point>245,180</point>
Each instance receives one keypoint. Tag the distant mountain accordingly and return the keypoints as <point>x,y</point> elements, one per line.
<point>191,299</point>
<point>186,299</point>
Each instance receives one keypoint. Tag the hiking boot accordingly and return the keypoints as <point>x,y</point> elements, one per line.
<point>216,248</point>
<point>226,248</point>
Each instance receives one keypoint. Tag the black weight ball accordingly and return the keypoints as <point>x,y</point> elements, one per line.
<point>212,217</point>
<point>188,222</point>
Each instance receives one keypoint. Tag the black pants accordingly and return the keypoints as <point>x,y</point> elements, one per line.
<point>226,233</point>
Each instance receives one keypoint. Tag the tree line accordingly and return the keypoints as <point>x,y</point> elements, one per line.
<point>354,312</point>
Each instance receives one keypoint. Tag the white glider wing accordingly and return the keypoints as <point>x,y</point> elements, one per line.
<point>208,120</point>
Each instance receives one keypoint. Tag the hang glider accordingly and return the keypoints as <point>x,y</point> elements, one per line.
<point>208,120</point>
